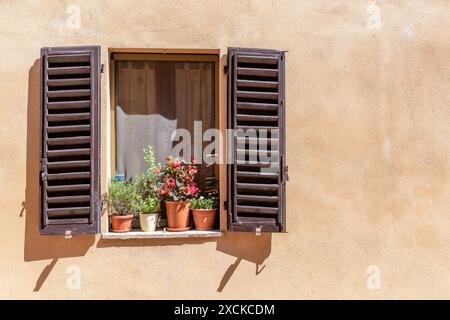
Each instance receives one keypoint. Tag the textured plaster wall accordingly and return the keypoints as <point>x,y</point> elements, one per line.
<point>368,146</point>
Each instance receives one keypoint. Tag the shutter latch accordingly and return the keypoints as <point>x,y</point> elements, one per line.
<point>101,68</point>
<point>258,230</point>
<point>225,69</point>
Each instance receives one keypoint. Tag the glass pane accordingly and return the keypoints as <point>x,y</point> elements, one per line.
<point>153,98</point>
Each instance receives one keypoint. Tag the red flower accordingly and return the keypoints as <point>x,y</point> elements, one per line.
<point>164,191</point>
<point>192,189</point>
<point>170,182</point>
<point>168,158</point>
<point>193,160</point>
<point>177,164</point>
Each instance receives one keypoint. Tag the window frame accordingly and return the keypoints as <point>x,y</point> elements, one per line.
<point>220,105</point>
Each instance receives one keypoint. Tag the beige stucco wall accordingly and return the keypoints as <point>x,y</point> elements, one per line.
<point>368,147</point>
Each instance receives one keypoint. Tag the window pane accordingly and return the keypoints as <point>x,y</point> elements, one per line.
<point>153,99</point>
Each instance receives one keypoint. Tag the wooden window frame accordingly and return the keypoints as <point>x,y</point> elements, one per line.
<point>220,103</point>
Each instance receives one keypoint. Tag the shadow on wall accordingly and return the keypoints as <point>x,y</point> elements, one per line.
<point>244,246</point>
<point>39,247</point>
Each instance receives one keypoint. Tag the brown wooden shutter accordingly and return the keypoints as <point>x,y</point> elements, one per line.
<point>256,195</point>
<point>70,159</point>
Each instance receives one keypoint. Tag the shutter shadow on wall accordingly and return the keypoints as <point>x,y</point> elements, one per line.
<point>70,142</point>
<point>257,175</point>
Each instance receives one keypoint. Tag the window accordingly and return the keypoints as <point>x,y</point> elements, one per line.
<point>155,94</point>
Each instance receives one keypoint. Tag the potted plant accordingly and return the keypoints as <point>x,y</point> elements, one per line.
<point>148,199</point>
<point>121,199</point>
<point>204,212</point>
<point>177,187</point>
<point>148,210</point>
<point>147,183</point>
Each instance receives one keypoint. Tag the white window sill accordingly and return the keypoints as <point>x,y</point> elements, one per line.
<point>161,234</point>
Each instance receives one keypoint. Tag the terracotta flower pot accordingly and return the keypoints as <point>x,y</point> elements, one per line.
<point>121,223</point>
<point>204,218</point>
<point>177,215</point>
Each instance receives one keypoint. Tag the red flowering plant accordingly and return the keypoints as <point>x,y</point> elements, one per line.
<point>177,180</point>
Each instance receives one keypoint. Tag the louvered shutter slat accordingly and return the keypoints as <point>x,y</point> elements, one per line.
<point>69,117</point>
<point>256,197</point>
<point>69,71</point>
<point>68,105</point>
<point>257,72</point>
<point>257,84</point>
<point>70,188</point>
<point>68,82</point>
<point>72,212</point>
<point>69,93</point>
<point>68,199</point>
<point>69,58</point>
<point>69,176</point>
<point>70,140</point>
<point>68,153</point>
<point>256,106</point>
<point>256,186</point>
<point>256,117</point>
<point>70,128</point>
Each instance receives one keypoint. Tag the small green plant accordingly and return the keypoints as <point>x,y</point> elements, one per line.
<point>149,157</point>
<point>146,206</point>
<point>121,197</point>
<point>203,202</point>
<point>146,184</point>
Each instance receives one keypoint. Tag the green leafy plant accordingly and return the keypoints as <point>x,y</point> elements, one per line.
<point>149,157</point>
<point>203,202</point>
<point>121,198</point>
<point>146,184</point>
<point>177,180</point>
<point>149,205</point>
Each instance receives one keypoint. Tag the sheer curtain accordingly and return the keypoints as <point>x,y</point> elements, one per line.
<point>194,101</point>
<point>153,99</point>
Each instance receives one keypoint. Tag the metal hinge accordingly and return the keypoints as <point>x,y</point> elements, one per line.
<point>225,205</point>
<point>285,170</point>
<point>43,167</point>
<point>225,69</point>
<point>286,173</point>
<point>102,68</point>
